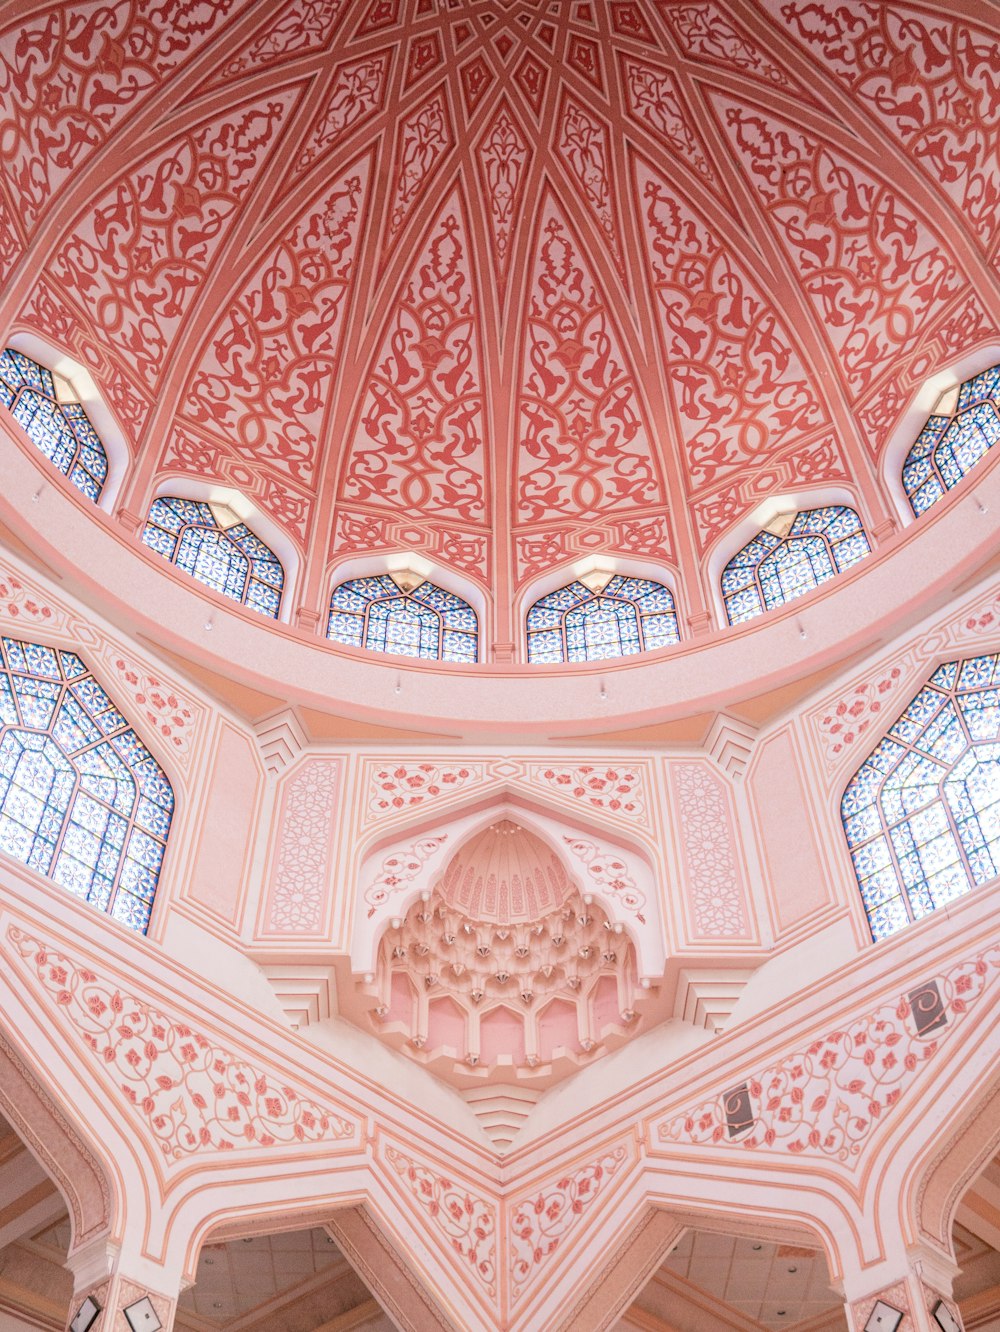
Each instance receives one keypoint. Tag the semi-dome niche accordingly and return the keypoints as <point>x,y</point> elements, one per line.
<point>505,967</point>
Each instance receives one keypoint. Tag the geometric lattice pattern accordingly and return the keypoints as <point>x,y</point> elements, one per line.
<point>426,621</point>
<point>774,568</point>
<point>230,559</point>
<point>82,800</point>
<point>574,623</point>
<point>953,441</point>
<point>922,814</point>
<point>61,429</point>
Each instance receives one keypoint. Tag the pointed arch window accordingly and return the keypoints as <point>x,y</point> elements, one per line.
<point>82,800</point>
<point>403,615</point>
<point>45,406</point>
<point>601,616</point>
<point>792,556</point>
<point>922,813</point>
<point>964,426</point>
<point>212,544</point>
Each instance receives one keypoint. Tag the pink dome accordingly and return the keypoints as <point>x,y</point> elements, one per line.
<point>505,875</point>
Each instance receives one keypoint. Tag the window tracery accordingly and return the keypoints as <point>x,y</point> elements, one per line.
<point>210,543</point>
<point>406,618</point>
<point>922,813</point>
<point>618,618</point>
<point>790,557</point>
<point>965,424</point>
<point>54,422</point>
<point>82,800</point>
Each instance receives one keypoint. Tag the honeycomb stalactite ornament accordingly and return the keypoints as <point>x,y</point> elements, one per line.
<point>505,968</point>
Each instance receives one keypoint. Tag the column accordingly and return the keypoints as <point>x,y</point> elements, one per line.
<point>915,1297</point>
<point>112,1296</point>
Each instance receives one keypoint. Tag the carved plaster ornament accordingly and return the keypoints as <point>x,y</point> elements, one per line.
<point>504,948</point>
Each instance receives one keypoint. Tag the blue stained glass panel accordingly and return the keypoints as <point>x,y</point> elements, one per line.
<point>629,615</point>
<point>950,445</point>
<point>232,560</point>
<point>427,622</point>
<point>60,430</point>
<point>771,570</point>
<point>922,815</point>
<point>77,785</point>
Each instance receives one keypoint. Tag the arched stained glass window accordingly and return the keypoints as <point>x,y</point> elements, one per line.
<point>581,623</point>
<point>421,620</point>
<point>209,542</point>
<point>963,426</point>
<point>790,557</point>
<point>81,798</point>
<point>53,420</point>
<point>922,814</point>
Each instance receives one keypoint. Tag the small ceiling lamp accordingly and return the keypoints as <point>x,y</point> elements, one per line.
<point>65,392</point>
<point>947,404</point>
<point>406,579</point>
<point>597,578</point>
<point>224,515</point>
<point>781,524</point>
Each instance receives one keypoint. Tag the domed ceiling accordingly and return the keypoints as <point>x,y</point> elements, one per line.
<point>502,282</point>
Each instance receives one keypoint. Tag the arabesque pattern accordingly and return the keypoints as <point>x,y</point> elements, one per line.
<point>502,286</point>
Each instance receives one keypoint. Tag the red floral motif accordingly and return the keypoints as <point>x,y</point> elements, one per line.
<point>585,448</point>
<point>540,1222</point>
<point>400,786</point>
<point>72,73</point>
<point>818,461</point>
<point>476,80</point>
<point>705,32</point>
<point>418,446</point>
<point>301,26</point>
<point>877,275</point>
<point>11,241</point>
<point>263,381</point>
<point>713,880</point>
<point>424,138</point>
<point>20,603</point>
<point>538,551</point>
<point>847,721</point>
<point>654,101</point>
<point>399,869</point>
<point>532,76</point>
<point>930,80</point>
<point>610,874</point>
<point>738,381</point>
<point>582,140</point>
<point>422,56</point>
<point>584,56</point>
<point>829,1099</point>
<point>381,14</point>
<point>467,1221</point>
<point>356,92</point>
<point>191,1094</point>
<point>171,714</point>
<point>617,789</point>
<point>289,506</point>
<point>503,159</point>
<point>136,260</point>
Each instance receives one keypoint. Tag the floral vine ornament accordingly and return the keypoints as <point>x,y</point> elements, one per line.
<point>467,1221</point>
<point>399,869</point>
<point>829,1099</point>
<point>540,1222</point>
<point>193,1095</point>
<point>610,874</point>
<point>616,789</point>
